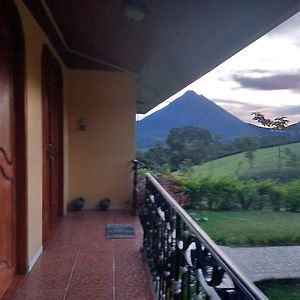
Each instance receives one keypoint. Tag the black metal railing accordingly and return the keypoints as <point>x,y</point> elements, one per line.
<point>135,167</point>
<point>134,191</point>
<point>184,261</point>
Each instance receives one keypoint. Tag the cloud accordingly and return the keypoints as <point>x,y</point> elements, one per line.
<point>243,110</point>
<point>257,71</point>
<point>254,71</point>
<point>232,73</point>
<point>290,110</point>
<point>269,83</point>
<point>246,106</point>
<point>287,29</point>
<point>238,108</point>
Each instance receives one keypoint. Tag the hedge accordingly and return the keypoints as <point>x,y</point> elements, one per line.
<point>229,194</point>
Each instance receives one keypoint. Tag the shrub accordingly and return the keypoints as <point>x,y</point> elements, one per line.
<point>191,189</point>
<point>196,190</point>
<point>225,193</point>
<point>171,185</point>
<point>207,193</point>
<point>293,195</point>
<point>249,196</point>
<point>267,192</point>
<point>276,197</point>
<point>229,193</point>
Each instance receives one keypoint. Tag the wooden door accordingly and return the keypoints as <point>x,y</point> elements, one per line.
<point>12,148</point>
<point>52,143</point>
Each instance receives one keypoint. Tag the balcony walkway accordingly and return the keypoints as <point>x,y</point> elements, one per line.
<point>80,263</point>
<point>261,263</point>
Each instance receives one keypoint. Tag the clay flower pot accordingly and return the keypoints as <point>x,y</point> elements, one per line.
<point>78,203</point>
<point>104,204</point>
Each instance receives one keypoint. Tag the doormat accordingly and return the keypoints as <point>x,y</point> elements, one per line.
<point>119,231</point>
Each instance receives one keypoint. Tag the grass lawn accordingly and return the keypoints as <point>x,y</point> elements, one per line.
<point>287,289</point>
<point>251,228</point>
<point>265,165</point>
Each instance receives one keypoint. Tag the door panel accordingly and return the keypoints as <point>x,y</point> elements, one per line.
<point>52,144</point>
<point>7,227</point>
<point>7,159</point>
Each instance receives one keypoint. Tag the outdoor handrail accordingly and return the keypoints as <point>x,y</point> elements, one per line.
<point>250,291</point>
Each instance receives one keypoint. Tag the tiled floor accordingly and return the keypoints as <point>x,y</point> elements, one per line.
<point>80,263</point>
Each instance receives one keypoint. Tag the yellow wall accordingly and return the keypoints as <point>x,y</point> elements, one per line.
<point>34,41</point>
<point>97,161</point>
<point>100,157</point>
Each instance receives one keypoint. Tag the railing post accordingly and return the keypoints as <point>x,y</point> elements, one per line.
<point>134,191</point>
<point>177,288</point>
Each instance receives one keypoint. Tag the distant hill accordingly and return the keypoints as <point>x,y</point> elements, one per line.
<point>265,166</point>
<point>196,110</point>
<point>294,129</point>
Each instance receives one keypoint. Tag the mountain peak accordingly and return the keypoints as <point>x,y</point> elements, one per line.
<point>192,96</point>
<point>190,109</point>
<point>190,92</point>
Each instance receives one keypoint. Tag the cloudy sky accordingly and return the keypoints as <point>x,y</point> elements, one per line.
<point>263,77</point>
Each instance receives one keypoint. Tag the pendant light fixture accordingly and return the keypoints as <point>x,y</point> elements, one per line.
<point>135,9</point>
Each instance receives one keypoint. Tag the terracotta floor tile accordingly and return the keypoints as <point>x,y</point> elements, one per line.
<point>128,246</point>
<point>129,258</point>
<point>37,294</point>
<point>55,263</point>
<point>90,294</point>
<point>124,219</point>
<point>132,276</point>
<point>69,250</point>
<point>134,294</point>
<point>47,279</point>
<point>98,245</point>
<point>130,265</point>
<point>99,262</point>
<point>8,298</point>
<point>92,279</point>
<point>81,263</point>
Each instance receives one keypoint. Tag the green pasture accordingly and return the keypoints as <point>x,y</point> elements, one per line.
<point>265,165</point>
<point>250,228</point>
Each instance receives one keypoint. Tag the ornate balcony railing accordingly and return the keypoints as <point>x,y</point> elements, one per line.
<point>134,191</point>
<point>184,261</point>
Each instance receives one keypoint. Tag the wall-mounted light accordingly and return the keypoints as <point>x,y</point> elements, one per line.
<point>135,9</point>
<point>82,124</point>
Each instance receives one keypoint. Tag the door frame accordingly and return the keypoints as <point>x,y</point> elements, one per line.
<point>50,61</point>
<point>20,136</point>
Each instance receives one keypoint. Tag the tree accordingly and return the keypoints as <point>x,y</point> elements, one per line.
<point>251,157</point>
<point>155,158</point>
<point>185,147</point>
<point>238,168</point>
<point>292,158</point>
<point>278,124</point>
<point>248,144</point>
<point>188,143</point>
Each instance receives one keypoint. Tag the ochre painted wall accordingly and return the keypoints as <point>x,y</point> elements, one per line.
<point>97,162</point>
<point>34,41</point>
<point>100,158</point>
